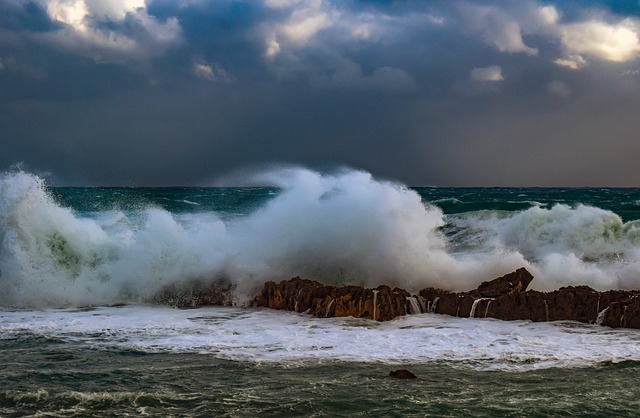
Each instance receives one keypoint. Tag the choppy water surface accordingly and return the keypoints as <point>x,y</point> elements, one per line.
<point>78,267</point>
<point>243,362</point>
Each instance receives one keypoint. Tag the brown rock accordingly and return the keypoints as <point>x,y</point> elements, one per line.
<point>299,295</point>
<point>531,305</point>
<point>623,314</point>
<point>573,303</point>
<point>503,298</point>
<point>514,282</point>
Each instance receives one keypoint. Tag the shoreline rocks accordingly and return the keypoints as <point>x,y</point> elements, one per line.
<point>314,298</point>
<point>505,298</point>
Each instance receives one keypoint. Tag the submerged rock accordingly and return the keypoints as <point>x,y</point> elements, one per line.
<point>402,374</point>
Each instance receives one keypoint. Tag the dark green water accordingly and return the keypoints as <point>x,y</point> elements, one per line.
<point>44,379</point>
<point>623,202</point>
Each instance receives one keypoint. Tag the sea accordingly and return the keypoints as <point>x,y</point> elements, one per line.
<point>81,333</point>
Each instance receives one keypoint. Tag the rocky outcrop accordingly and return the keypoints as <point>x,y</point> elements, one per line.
<point>505,298</point>
<point>614,308</point>
<point>514,282</point>
<point>301,295</point>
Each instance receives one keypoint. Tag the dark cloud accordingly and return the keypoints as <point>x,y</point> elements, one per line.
<point>448,93</point>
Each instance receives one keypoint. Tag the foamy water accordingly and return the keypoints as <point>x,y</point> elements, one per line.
<point>265,336</point>
<point>340,228</point>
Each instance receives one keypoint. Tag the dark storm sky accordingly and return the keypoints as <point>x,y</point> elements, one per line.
<point>462,93</point>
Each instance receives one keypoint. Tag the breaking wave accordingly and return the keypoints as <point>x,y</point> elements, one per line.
<point>345,227</point>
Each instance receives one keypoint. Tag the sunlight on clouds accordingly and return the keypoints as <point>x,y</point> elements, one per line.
<point>113,9</point>
<point>575,62</point>
<point>548,15</point>
<point>273,47</point>
<point>304,24</point>
<point>210,72</point>
<point>491,73</point>
<point>280,4</point>
<point>307,18</point>
<point>203,71</point>
<point>80,36</point>
<point>617,43</point>
<point>69,12</point>
<point>496,27</point>
<point>596,38</point>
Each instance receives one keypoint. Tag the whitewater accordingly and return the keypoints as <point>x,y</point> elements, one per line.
<point>337,228</point>
<point>81,332</point>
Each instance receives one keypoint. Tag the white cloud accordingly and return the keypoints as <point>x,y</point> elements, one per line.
<point>491,73</point>
<point>281,4</point>
<point>69,12</point>
<point>273,47</point>
<point>496,27</point>
<point>547,15</point>
<point>600,36</point>
<point>575,62</point>
<point>304,20</point>
<point>558,88</point>
<point>304,24</point>
<point>603,41</point>
<point>113,9</point>
<point>211,72</point>
<point>81,35</point>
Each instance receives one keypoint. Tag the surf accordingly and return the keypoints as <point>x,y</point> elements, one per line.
<point>343,227</point>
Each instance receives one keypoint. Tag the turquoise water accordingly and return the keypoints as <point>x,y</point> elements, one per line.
<point>79,267</point>
<point>624,202</point>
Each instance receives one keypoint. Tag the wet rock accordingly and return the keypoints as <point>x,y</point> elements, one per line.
<point>298,295</point>
<point>514,282</point>
<point>402,374</point>
<point>301,295</point>
<point>623,314</point>
<point>505,298</point>
<point>531,305</point>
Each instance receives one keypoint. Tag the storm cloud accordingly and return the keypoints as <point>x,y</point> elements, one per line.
<point>462,93</point>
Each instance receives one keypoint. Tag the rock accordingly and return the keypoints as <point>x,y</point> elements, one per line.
<point>505,298</point>
<point>623,314</point>
<point>531,305</point>
<point>402,374</point>
<point>514,282</point>
<point>298,295</point>
<point>324,301</point>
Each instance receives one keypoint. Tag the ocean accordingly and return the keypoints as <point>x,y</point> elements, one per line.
<point>80,334</point>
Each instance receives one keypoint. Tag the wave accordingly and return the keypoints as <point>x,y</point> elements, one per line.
<point>345,227</point>
<point>275,337</point>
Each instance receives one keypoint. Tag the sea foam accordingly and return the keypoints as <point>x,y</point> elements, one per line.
<point>266,336</point>
<point>339,228</point>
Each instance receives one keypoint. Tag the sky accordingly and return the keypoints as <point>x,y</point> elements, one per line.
<point>445,93</point>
